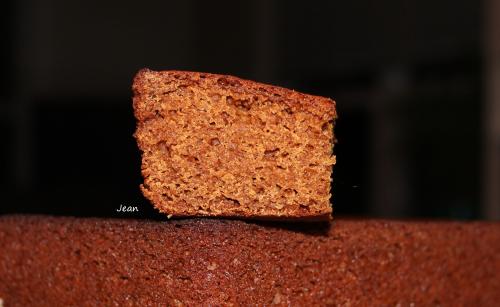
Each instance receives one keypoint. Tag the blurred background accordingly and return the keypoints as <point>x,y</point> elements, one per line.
<point>417,85</point>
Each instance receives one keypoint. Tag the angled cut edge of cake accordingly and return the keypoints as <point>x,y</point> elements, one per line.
<point>217,145</point>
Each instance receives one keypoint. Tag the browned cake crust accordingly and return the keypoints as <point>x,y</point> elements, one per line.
<point>47,261</point>
<point>216,145</point>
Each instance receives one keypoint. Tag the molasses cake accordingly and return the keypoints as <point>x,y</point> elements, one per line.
<point>215,145</point>
<point>49,261</point>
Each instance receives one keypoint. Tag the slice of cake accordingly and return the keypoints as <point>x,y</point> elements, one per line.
<point>215,145</point>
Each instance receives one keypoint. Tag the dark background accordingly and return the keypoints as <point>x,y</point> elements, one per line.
<point>414,87</point>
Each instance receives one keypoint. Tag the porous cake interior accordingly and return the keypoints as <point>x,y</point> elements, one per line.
<point>212,147</point>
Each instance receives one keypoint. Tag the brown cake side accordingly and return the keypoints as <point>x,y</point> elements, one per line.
<point>47,261</point>
<point>216,145</point>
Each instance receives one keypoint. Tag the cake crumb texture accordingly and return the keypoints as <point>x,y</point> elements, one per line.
<point>49,261</point>
<point>215,145</point>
